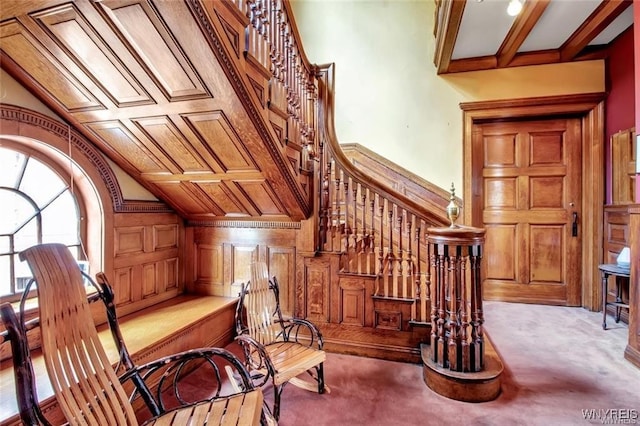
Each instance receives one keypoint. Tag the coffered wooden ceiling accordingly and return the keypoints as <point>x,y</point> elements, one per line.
<point>143,80</point>
<point>476,35</point>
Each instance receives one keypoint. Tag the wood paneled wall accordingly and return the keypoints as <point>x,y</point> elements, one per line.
<point>623,166</point>
<point>221,257</point>
<point>311,286</point>
<point>632,351</point>
<point>147,259</point>
<point>616,231</point>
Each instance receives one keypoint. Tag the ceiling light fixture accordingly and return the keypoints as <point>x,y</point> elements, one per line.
<point>514,7</point>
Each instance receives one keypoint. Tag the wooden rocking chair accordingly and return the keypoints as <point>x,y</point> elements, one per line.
<point>85,383</point>
<point>276,349</point>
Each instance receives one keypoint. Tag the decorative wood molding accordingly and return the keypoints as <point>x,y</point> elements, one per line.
<point>16,114</point>
<point>240,87</point>
<point>140,206</point>
<point>403,180</point>
<point>253,224</point>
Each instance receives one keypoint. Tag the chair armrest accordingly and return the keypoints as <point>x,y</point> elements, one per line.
<point>157,382</point>
<point>256,359</point>
<point>292,332</point>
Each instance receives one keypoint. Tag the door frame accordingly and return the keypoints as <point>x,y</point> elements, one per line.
<point>590,109</point>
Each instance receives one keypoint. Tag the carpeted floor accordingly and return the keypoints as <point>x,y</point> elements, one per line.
<point>561,368</point>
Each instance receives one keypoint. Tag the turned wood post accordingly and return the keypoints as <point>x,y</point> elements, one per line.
<point>457,337</point>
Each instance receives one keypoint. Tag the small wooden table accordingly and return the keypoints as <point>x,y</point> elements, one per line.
<point>619,272</point>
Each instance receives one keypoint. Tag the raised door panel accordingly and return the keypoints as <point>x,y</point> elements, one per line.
<point>172,145</point>
<point>241,256</point>
<point>616,231</point>
<point>215,130</point>
<point>124,145</point>
<point>165,236</point>
<point>149,279</point>
<point>122,285</point>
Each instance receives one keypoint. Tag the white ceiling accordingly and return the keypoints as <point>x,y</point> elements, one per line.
<point>485,24</point>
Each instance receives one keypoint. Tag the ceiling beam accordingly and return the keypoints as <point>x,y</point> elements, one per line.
<point>604,14</point>
<point>448,18</point>
<point>522,26</point>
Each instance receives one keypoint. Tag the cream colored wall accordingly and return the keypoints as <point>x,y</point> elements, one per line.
<point>388,95</point>
<point>13,93</point>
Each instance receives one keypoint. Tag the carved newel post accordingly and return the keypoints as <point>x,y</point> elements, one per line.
<point>457,341</point>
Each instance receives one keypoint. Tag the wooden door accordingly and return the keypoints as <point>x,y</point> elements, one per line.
<point>531,196</point>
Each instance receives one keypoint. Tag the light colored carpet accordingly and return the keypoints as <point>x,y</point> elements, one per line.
<point>560,368</point>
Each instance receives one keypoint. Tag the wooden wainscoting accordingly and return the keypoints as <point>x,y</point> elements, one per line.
<point>147,258</point>
<point>221,254</point>
<point>632,351</point>
<point>616,237</point>
<point>311,286</point>
<point>623,166</point>
<point>352,321</point>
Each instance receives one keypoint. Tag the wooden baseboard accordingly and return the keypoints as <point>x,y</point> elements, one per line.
<point>632,355</point>
<point>392,345</point>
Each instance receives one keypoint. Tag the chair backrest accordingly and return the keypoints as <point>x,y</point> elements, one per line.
<point>85,384</point>
<point>261,306</point>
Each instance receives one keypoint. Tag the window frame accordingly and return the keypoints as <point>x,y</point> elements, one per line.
<point>67,174</point>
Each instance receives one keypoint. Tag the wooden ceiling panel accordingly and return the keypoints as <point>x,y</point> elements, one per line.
<point>164,93</point>
<point>29,54</point>
<point>262,196</point>
<point>174,147</point>
<point>215,131</point>
<point>229,204</point>
<point>75,35</point>
<point>11,9</point>
<point>126,146</point>
<point>188,200</point>
<point>147,35</point>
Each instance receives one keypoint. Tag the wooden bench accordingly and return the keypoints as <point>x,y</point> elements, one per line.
<point>178,324</point>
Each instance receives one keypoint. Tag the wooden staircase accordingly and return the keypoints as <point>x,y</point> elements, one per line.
<point>229,123</point>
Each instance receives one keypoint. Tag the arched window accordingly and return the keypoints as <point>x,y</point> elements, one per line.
<point>37,205</point>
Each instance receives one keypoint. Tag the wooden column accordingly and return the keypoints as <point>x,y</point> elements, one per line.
<point>457,339</point>
<point>460,362</point>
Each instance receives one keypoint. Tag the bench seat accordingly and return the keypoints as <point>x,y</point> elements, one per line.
<point>181,323</point>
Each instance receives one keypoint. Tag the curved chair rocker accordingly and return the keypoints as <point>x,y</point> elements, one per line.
<point>87,387</point>
<point>276,349</point>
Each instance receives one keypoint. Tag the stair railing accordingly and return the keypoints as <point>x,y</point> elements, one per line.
<point>273,42</point>
<point>375,230</point>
